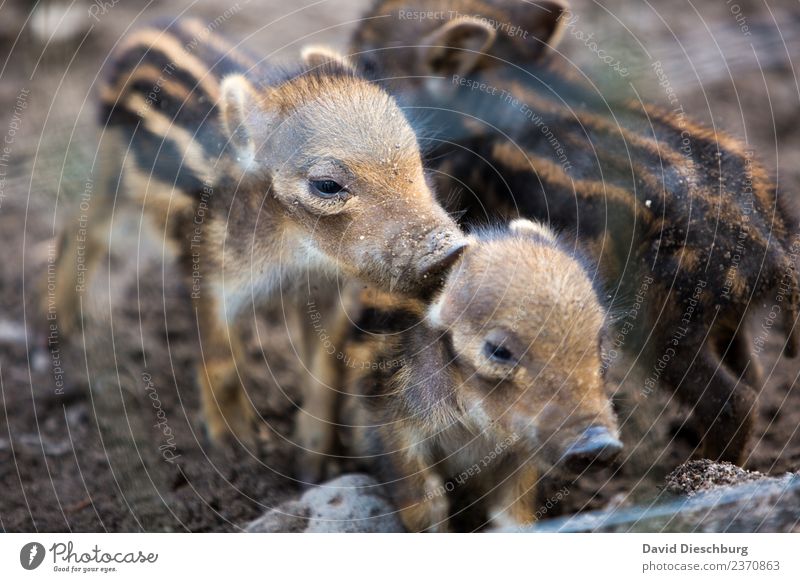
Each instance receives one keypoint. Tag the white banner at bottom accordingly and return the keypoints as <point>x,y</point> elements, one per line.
<point>378,557</point>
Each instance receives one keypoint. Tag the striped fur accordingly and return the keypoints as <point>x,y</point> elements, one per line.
<point>649,193</point>
<point>226,155</point>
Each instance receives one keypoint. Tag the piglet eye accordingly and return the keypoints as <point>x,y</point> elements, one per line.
<point>326,188</point>
<point>498,353</point>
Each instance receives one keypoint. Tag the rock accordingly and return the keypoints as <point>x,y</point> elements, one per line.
<point>704,475</point>
<point>714,497</point>
<point>350,503</point>
<point>59,21</point>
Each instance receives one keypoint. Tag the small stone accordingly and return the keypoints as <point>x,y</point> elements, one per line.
<point>350,503</point>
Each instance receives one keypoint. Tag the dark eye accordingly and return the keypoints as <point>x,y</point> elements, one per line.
<point>498,353</point>
<point>327,188</point>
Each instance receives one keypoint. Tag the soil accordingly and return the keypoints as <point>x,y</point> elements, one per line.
<point>703,475</point>
<point>102,433</point>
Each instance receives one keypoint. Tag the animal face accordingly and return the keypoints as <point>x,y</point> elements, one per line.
<point>526,330</point>
<point>454,38</point>
<point>343,161</point>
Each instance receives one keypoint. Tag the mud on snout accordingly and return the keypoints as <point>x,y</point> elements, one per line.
<point>419,264</point>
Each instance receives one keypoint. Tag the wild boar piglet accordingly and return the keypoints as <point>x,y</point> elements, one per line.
<point>498,380</point>
<point>258,176</point>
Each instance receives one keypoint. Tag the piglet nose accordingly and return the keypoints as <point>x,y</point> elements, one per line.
<point>595,447</point>
<point>441,255</point>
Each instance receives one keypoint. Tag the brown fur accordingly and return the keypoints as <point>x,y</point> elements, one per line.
<point>427,404</point>
<point>221,153</point>
<point>647,192</point>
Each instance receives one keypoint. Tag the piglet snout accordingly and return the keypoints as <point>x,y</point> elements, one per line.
<point>596,446</point>
<point>442,251</point>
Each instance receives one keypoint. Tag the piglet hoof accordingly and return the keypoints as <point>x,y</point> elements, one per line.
<point>438,508</point>
<point>727,438</point>
<point>204,435</point>
<point>429,513</point>
<point>231,424</point>
<point>313,437</point>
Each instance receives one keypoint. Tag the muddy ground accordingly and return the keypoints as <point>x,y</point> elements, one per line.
<point>83,445</point>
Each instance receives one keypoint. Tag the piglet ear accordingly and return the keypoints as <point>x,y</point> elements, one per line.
<point>525,227</point>
<point>544,20</point>
<point>538,24</point>
<point>315,56</point>
<point>238,109</point>
<point>455,47</point>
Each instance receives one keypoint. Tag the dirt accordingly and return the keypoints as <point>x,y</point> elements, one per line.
<point>703,475</point>
<point>701,496</point>
<point>83,445</point>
